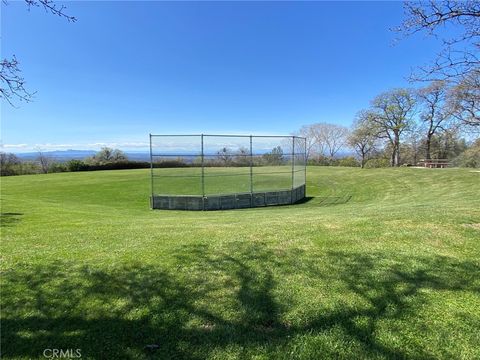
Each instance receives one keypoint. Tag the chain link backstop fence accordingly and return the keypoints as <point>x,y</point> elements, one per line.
<point>213,172</point>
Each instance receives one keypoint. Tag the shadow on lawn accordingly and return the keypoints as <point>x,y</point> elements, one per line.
<point>9,218</point>
<point>305,200</point>
<point>333,200</point>
<point>213,300</point>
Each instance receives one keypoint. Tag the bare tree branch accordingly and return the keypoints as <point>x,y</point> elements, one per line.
<point>12,83</point>
<point>435,113</point>
<point>464,100</point>
<point>324,139</point>
<point>50,7</point>
<point>460,53</point>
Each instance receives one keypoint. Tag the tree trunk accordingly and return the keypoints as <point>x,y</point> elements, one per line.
<point>429,145</point>
<point>394,158</point>
<point>396,150</point>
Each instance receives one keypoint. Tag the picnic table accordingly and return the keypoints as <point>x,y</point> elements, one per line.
<point>435,163</point>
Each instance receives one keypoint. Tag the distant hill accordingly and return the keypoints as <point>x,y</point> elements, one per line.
<point>138,156</point>
<point>66,155</point>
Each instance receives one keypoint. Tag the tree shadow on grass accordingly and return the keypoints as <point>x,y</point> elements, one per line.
<point>213,300</point>
<point>333,200</point>
<point>9,218</point>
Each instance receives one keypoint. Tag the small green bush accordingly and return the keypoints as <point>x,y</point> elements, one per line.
<point>348,161</point>
<point>321,161</point>
<point>76,165</point>
<point>469,158</point>
<point>57,167</point>
<point>377,163</point>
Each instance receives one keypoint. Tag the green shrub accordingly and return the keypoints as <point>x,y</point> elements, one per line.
<point>120,165</point>
<point>28,168</point>
<point>57,167</point>
<point>348,161</point>
<point>76,165</point>
<point>469,158</point>
<point>322,161</point>
<point>107,156</point>
<point>377,163</point>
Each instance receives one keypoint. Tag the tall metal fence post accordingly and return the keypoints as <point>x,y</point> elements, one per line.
<point>203,176</point>
<point>293,167</point>
<point>151,172</point>
<point>305,166</point>
<point>251,172</point>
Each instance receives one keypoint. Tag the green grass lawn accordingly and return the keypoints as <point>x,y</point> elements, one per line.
<point>226,180</point>
<point>378,264</point>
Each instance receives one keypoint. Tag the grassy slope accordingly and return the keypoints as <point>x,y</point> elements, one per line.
<point>379,264</point>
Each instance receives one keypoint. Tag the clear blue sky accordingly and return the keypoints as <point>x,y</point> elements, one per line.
<point>126,69</point>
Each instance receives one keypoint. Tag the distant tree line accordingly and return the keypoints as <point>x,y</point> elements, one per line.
<point>105,159</point>
<point>401,127</point>
<point>241,157</point>
<point>114,159</point>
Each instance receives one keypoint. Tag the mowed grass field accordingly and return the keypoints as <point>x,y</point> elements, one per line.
<point>377,264</point>
<point>226,180</point>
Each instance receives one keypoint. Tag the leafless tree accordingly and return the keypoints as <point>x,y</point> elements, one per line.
<point>334,137</point>
<point>392,115</point>
<point>320,148</point>
<point>225,155</point>
<point>413,145</point>
<point>44,161</point>
<point>242,157</point>
<point>308,132</point>
<point>7,162</point>
<point>324,139</point>
<point>464,100</point>
<point>363,138</point>
<point>12,86</point>
<point>459,55</point>
<point>435,114</point>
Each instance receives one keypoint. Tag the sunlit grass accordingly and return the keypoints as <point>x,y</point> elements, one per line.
<point>376,264</point>
<point>226,180</point>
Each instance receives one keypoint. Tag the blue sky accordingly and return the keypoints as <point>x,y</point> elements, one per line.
<point>126,69</point>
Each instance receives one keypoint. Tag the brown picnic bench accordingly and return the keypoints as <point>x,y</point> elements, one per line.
<point>435,163</point>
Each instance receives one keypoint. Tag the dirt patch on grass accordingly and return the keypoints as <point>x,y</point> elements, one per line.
<point>472,226</point>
